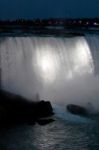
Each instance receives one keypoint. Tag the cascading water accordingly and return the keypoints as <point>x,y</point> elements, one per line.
<point>62,70</point>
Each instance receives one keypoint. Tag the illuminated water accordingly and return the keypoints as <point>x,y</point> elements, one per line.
<point>62,70</point>
<point>60,135</point>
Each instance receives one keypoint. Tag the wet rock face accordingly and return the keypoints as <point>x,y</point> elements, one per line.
<point>16,109</point>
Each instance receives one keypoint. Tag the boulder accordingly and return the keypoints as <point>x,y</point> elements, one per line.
<point>77,110</point>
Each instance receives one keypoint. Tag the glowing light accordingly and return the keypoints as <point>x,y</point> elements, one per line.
<point>47,65</point>
<point>96,24</point>
<point>64,60</point>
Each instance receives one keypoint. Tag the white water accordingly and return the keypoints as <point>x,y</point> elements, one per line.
<point>62,70</point>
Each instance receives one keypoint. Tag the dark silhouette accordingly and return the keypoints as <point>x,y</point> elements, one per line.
<point>77,110</point>
<point>51,26</point>
<point>16,109</point>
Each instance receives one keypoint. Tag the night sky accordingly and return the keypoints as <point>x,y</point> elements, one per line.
<point>28,9</point>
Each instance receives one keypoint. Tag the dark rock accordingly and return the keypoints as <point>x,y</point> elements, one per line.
<point>45,108</point>
<point>77,110</point>
<point>45,121</point>
<point>17,109</point>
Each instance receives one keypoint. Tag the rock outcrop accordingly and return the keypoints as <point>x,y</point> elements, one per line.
<point>77,110</point>
<point>16,109</point>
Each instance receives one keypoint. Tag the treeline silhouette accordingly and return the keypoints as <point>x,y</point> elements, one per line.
<point>87,22</point>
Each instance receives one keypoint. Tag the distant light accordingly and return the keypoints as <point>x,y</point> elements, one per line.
<point>96,24</point>
<point>87,23</point>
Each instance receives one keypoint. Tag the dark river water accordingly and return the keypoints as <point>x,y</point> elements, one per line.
<point>60,135</point>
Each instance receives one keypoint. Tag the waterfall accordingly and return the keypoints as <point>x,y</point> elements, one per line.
<point>62,70</point>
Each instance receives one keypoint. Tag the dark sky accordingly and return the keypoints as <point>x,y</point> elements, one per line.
<point>12,9</point>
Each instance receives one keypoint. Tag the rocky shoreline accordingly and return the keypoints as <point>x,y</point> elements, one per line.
<point>15,109</point>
